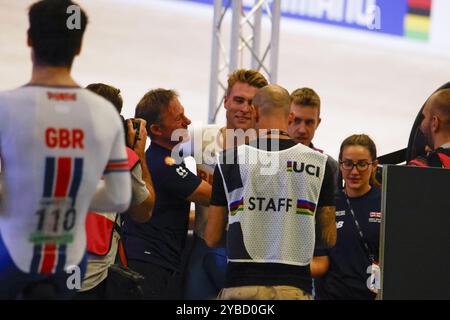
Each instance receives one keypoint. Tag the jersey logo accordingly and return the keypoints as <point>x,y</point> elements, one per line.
<point>339,224</point>
<point>61,96</point>
<point>64,138</point>
<point>340,213</point>
<point>269,204</point>
<point>294,166</point>
<point>272,204</point>
<point>181,172</point>
<point>375,215</point>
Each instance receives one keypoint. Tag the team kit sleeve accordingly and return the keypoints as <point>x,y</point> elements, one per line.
<point>113,193</point>
<point>178,180</point>
<point>218,196</point>
<point>138,186</point>
<point>321,252</point>
<point>326,196</point>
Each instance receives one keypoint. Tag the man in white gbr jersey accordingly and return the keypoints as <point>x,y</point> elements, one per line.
<point>57,140</point>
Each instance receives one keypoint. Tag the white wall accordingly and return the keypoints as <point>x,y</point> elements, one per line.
<point>440,26</point>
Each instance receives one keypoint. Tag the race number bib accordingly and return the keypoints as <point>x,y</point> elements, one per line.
<point>56,220</point>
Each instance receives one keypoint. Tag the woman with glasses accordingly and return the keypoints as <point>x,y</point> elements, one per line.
<point>358,219</point>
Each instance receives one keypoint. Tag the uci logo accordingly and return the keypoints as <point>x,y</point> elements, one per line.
<point>294,166</point>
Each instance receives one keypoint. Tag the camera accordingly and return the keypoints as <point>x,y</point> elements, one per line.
<point>136,127</point>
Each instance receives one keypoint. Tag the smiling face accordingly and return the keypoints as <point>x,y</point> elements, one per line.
<point>357,181</point>
<point>238,106</point>
<point>173,119</point>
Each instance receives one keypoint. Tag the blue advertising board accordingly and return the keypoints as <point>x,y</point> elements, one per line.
<point>382,16</point>
<point>385,16</point>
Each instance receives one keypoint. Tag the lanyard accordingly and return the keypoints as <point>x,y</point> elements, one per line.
<point>278,132</point>
<point>358,227</point>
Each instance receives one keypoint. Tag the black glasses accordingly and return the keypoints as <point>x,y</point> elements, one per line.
<point>360,165</point>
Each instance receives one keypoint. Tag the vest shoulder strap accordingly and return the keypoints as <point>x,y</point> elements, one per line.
<point>444,157</point>
<point>133,158</point>
<point>99,233</point>
<point>419,162</point>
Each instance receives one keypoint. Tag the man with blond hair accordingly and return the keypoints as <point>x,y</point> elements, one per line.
<point>205,274</point>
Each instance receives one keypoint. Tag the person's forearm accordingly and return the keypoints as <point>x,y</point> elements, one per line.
<point>202,194</point>
<point>147,178</point>
<point>142,212</point>
<point>326,227</point>
<point>215,227</point>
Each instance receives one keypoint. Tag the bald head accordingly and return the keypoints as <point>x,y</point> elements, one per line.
<point>435,125</point>
<point>272,100</point>
<point>439,105</point>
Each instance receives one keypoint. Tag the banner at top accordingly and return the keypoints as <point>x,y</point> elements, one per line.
<point>385,16</point>
<point>405,18</point>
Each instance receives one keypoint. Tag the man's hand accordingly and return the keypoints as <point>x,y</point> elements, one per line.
<point>144,211</point>
<point>139,146</point>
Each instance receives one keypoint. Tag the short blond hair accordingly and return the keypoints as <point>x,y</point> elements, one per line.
<point>251,77</point>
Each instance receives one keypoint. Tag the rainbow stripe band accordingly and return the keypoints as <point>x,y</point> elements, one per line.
<point>305,207</point>
<point>236,206</point>
<point>417,19</point>
<point>289,166</point>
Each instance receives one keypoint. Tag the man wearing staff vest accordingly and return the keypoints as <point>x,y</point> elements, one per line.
<point>279,196</point>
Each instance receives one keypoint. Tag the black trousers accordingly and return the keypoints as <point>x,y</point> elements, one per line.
<point>160,283</point>
<point>96,293</point>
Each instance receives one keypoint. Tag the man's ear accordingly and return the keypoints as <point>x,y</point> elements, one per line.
<point>435,123</point>
<point>255,113</point>
<point>29,42</point>
<point>225,101</point>
<point>77,53</point>
<point>318,122</point>
<point>155,130</point>
<point>291,117</point>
